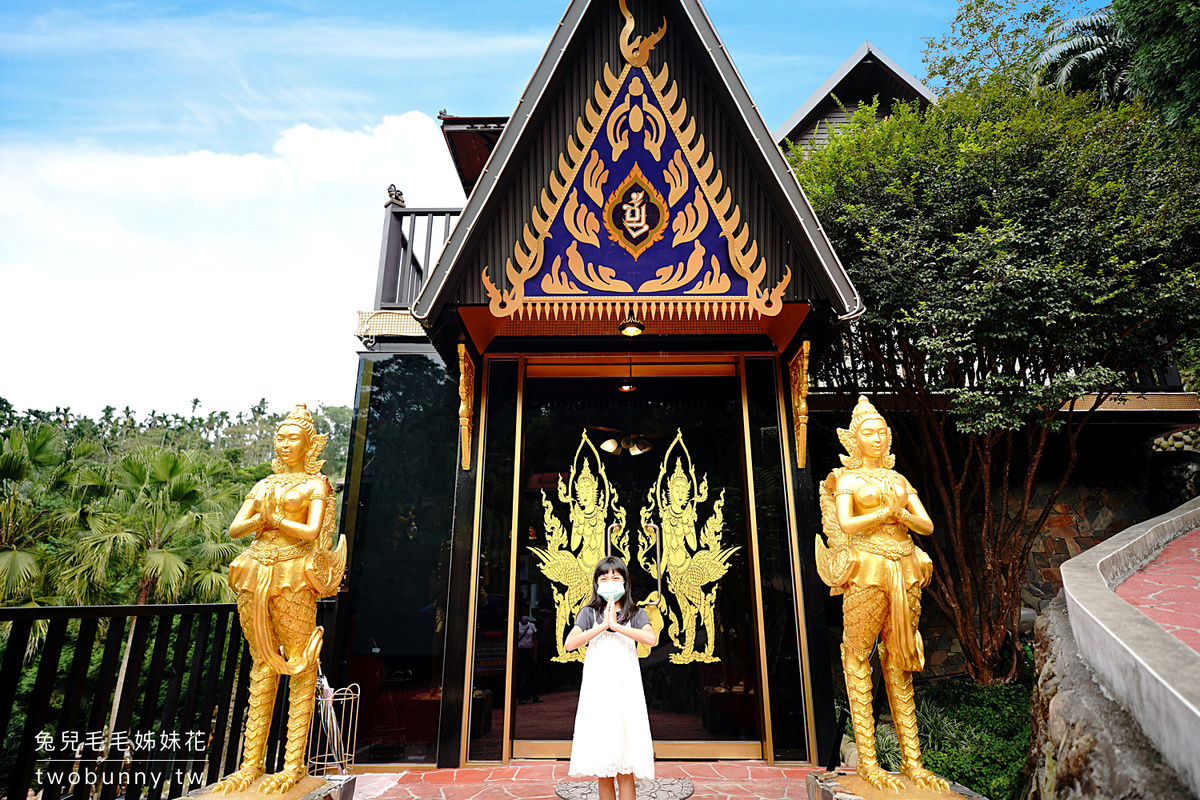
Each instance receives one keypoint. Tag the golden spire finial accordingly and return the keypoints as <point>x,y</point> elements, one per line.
<point>637,50</point>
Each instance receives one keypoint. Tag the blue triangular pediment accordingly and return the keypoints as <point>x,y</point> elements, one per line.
<point>635,205</point>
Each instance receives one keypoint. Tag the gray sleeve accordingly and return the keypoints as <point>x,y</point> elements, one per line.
<point>586,619</point>
<point>640,620</point>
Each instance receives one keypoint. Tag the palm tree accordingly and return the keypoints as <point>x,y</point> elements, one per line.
<point>1088,53</point>
<point>37,511</point>
<point>162,522</point>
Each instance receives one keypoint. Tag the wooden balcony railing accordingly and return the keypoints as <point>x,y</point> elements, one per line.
<point>138,700</point>
<point>412,239</point>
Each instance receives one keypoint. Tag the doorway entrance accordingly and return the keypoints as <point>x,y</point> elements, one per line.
<point>655,477</point>
<point>670,476</point>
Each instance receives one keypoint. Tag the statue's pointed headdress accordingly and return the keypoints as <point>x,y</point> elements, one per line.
<point>848,436</point>
<point>679,481</point>
<point>586,480</point>
<point>316,441</point>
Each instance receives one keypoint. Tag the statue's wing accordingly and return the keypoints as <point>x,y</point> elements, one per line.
<point>835,562</point>
<point>558,565</point>
<point>710,565</point>
<point>829,521</point>
<point>823,556</point>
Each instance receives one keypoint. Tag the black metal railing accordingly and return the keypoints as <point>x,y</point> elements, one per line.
<point>412,238</point>
<point>143,700</point>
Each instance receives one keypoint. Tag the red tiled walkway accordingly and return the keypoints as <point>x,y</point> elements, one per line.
<point>535,780</point>
<point>1167,590</point>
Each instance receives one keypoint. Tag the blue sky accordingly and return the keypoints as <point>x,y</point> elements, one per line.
<point>162,77</point>
<point>172,174</point>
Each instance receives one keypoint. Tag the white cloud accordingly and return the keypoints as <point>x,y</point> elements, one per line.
<point>147,280</point>
<point>222,36</point>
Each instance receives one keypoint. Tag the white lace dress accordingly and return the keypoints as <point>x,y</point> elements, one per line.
<point>612,728</point>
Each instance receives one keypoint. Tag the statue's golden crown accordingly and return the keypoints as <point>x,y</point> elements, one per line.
<point>586,479</point>
<point>679,481</point>
<point>863,411</point>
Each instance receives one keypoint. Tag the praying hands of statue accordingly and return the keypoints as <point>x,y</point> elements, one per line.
<point>252,518</point>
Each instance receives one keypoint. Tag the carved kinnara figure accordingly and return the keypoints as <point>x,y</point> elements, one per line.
<point>689,561</point>
<point>569,559</point>
<point>278,580</point>
<point>867,511</point>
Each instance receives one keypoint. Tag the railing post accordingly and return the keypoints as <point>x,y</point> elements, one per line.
<point>38,711</point>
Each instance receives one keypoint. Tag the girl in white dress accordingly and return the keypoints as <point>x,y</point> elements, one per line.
<point>612,728</point>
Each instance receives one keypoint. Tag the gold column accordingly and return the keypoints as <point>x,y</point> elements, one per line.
<point>797,579</point>
<point>468,683</point>
<point>798,370</point>
<point>466,402</point>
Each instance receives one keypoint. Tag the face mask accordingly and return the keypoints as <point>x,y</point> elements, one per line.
<point>611,591</point>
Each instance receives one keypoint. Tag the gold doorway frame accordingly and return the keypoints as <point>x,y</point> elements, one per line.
<point>643,365</point>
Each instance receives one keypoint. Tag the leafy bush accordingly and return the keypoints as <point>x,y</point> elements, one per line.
<point>887,748</point>
<point>976,735</point>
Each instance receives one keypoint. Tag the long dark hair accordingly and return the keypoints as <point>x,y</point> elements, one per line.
<point>628,606</point>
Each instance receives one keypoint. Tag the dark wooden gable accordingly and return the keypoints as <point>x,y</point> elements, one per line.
<point>868,74</point>
<point>761,242</point>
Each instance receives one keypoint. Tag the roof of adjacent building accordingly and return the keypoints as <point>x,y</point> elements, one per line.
<point>866,74</point>
<point>471,141</point>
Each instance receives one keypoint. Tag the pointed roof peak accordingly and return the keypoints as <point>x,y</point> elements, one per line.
<point>665,57</point>
<point>866,73</point>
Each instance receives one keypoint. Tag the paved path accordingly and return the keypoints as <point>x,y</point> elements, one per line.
<point>1167,590</point>
<point>535,780</point>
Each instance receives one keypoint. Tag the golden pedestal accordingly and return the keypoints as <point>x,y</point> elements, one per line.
<point>311,787</point>
<point>848,786</point>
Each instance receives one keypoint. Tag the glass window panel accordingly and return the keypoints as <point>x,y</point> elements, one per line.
<point>701,679</point>
<point>400,500</point>
<point>486,727</point>
<point>785,677</point>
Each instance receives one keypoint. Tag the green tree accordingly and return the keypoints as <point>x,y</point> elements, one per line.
<point>162,521</point>
<point>1089,53</point>
<point>37,474</point>
<point>987,37</point>
<point>1021,254</point>
<point>334,421</point>
<point>1165,64</point>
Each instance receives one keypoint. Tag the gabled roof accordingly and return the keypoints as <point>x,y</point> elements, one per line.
<point>801,229</point>
<point>865,74</point>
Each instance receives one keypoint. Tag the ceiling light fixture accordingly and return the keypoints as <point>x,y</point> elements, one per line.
<point>631,326</point>
<point>627,384</point>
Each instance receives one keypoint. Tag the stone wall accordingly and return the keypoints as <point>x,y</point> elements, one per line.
<point>1085,745</point>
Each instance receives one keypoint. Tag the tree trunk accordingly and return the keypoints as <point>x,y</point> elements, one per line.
<point>143,595</point>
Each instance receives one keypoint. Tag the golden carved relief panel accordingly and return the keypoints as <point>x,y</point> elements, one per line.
<point>682,552</point>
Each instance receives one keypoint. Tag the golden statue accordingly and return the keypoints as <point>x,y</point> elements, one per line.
<point>688,563</point>
<point>571,561</point>
<point>867,511</point>
<point>278,579</point>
